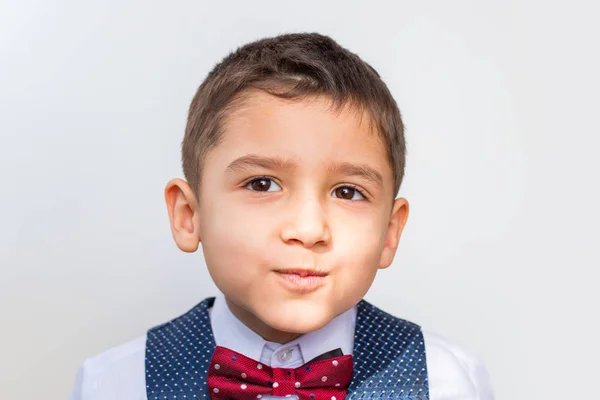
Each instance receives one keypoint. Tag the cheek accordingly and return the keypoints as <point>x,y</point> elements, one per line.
<point>231,237</point>
<point>357,265</point>
<point>361,237</point>
<point>359,243</point>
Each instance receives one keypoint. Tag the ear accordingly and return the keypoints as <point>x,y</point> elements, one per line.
<point>183,215</point>
<point>394,230</point>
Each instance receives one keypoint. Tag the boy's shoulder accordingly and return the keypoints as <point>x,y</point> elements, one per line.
<point>117,373</point>
<point>453,372</point>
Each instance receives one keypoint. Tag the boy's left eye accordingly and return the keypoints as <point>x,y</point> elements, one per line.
<point>263,185</point>
<point>348,193</point>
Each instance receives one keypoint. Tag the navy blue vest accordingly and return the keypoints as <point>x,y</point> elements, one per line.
<point>389,357</point>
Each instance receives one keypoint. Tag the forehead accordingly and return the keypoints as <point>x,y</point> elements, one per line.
<point>309,131</point>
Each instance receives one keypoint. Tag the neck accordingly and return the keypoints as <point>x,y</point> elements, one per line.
<point>265,331</point>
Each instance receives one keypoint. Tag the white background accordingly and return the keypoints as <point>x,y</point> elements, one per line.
<point>500,101</point>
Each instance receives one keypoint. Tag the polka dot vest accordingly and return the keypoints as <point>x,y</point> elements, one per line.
<point>389,357</point>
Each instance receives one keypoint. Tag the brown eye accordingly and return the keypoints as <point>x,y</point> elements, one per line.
<point>348,193</point>
<point>263,185</point>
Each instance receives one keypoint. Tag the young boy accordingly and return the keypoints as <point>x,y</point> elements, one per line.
<point>293,154</point>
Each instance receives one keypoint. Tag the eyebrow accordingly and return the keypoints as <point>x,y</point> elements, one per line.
<point>359,170</point>
<point>249,161</point>
<point>252,160</point>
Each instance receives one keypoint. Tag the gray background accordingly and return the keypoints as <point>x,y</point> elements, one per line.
<point>500,101</point>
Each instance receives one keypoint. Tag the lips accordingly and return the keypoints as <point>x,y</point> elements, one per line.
<point>303,272</point>
<point>302,280</point>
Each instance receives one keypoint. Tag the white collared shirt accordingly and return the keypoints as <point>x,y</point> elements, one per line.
<point>119,373</point>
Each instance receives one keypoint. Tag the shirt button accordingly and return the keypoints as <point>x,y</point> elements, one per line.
<point>284,355</point>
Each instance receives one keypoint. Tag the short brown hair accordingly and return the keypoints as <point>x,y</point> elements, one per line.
<point>290,66</point>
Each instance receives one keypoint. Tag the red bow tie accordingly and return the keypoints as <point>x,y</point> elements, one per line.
<point>235,376</point>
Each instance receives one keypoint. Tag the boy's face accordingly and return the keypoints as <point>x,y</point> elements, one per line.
<point>295,213</point>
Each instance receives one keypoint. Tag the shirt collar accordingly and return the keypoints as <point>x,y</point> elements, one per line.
<point>230,332</point>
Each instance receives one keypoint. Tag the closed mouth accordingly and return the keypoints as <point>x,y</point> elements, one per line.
<point>302,272</point>
<point>302,280</point>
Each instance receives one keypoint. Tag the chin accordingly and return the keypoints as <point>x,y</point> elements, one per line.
<point>299,319</point>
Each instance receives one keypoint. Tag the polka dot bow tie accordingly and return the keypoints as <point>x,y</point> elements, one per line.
<point>235,376</point>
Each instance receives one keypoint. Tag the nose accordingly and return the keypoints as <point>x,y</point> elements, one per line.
<point>307,224</point>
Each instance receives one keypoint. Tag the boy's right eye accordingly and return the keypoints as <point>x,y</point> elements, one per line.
<point>263,185</point>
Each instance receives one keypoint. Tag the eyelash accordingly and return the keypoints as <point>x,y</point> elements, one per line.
<point>362,192</point>
<point>356,188</point>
